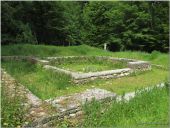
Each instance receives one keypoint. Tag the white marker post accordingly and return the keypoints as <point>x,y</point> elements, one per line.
<point>105,46</point>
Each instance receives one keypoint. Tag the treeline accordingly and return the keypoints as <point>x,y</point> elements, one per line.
<point>130,25</point>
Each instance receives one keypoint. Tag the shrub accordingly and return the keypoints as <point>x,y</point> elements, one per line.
<point>154,55</point>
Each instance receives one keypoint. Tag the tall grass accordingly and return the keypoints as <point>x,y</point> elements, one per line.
<point>47,84</point>
<point>87,64</point>
<point>44,50</point>
<point>148,108</point>
<point>155,57</point>
<point>43,83</point>
<point>12,111</point>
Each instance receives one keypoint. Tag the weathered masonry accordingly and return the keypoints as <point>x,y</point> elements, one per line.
<point>77,77</point>
<point>70,106</point>
<point>132,66</point>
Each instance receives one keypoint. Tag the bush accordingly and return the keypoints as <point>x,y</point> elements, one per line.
<point>154,55</point>
<point>115,44</point>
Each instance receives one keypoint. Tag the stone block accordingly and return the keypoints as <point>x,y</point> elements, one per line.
<point>139,65</point>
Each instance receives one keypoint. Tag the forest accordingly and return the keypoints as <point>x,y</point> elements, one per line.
<point>130,25</point>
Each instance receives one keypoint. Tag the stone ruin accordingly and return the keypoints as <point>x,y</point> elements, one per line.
<point>77,77</point>
<point>70,106</point>
<point>132,66</point>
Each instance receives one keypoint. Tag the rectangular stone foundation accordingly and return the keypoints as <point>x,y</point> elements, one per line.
<point>132,66</point>
<point>83,77</point>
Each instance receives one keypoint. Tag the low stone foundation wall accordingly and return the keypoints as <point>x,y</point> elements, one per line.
<point>83,77</point>
<point>139,65</point>
<point>86,57</point>
<point>31,59</point>
<point>104,74</point>
<point>49,120</point>
<point>71,106</point>
<point>132,65</point>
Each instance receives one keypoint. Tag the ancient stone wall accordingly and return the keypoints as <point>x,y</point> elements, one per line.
<point>71,106</point>
<point>139,65</point>
<point>132,65</point>
<point>31,59</point>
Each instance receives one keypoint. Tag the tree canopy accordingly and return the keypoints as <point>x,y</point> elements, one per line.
<point>123,25</point>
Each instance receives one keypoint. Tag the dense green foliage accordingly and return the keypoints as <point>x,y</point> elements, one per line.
<point>129,25</point>
<point>147,109</point>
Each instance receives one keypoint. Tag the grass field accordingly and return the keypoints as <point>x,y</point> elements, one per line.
<point>45,50</point>
<point>90,64</point>
<point>148,109</point>
<point>46,84</point>
<point>86,67</point>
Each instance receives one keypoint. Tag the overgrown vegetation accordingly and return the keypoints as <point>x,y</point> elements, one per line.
<point>47,84</point>
<point>147,109</point>
<point>88,64</point>
<point>44,84</point>
<point>83,50</point>
<point>130,25</point>
<point>12,111</point>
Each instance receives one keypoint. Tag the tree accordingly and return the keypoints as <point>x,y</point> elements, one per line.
<point>47,22</point>
<point>127,25</point>
<point>72,25</point>
<point>14,30</point>
<point>130,25</point>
